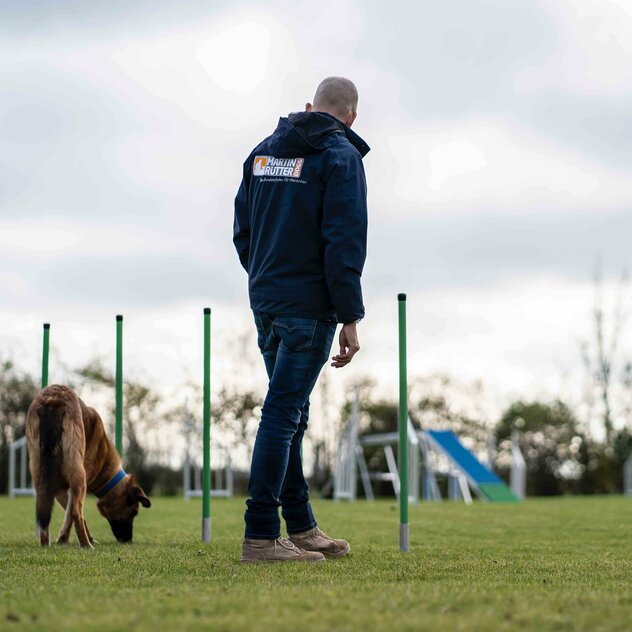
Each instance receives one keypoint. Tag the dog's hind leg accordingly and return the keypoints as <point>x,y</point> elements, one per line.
<point>65,500</point>
<point>32,437</point>
<point>45,463</point>
<point>45,500</point>
<point>44,508</point>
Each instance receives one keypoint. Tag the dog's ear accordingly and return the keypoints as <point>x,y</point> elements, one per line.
<point>139,496</point>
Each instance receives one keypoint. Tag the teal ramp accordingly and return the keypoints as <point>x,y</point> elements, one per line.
<point>488,485</point>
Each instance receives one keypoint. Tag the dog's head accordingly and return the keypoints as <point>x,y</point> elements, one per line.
<point>120,506</point>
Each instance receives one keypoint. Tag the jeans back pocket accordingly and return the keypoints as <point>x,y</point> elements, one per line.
<point>296,334</point>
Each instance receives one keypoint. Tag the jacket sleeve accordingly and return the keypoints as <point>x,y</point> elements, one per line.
<point>344,232</point>
<point>241,224</point>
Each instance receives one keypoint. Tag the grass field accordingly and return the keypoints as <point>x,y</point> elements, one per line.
<point>554,564</point>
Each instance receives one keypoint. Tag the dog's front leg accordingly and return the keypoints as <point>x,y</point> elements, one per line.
<point>65,500</point>
<point>92,540</point>
<point>77,497</point>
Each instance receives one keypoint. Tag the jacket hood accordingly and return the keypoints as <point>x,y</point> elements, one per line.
<point>303,133</point>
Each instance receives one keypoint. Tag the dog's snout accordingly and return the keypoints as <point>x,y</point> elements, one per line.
<point>122,530</point>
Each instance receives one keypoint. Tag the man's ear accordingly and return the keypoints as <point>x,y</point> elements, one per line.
<point>349,120</point>
<point>309,107</point>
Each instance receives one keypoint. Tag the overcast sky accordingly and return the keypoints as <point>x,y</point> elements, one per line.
<point>501,135</point>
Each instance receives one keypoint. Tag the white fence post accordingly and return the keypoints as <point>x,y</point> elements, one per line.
<point>627,476</point>
<point>518,476</point>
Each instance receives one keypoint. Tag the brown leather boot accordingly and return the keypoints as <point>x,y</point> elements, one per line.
<point>279,550</point>
<point>316,540</point>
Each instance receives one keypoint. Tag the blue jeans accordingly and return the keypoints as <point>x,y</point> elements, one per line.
<point>294,351</point>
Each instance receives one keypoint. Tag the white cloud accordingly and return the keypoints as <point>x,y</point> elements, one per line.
<point>52,240</point>
<point>237,57</point>
<point>520,336</point>
<point>206,72</point>
<point>487,163</point>
<point>454,158</point>
<point>594,49</point>
<point>37,238</point>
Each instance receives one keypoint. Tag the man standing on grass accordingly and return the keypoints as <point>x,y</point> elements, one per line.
<point>300,232</point>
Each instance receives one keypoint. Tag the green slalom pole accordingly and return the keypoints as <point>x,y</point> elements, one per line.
<point>45,348</point>
<point>404,527</point>
<point>206,435</point>
<point>118,431</point>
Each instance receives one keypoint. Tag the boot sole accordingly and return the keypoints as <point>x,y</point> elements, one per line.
<point>339,553</point>
<point>242,561</point>
<point>328,554</point>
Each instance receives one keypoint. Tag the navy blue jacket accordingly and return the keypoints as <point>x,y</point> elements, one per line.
<point>301,220</point>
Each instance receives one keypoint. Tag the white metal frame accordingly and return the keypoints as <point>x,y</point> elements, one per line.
<point>460,474</point>
<point>458,489</point>
<point>345,473</point>
<point>224,479</point>
<point>22,489</point>
<point>387,440</point>
<point>431,490</point>
<point>350,455</point>
<point>192,485</point>
<point>350,460</point>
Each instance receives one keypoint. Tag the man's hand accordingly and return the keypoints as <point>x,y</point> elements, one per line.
<point>349,346</point>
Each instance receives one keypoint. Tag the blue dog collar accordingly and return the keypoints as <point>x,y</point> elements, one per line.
<point>111,484</point>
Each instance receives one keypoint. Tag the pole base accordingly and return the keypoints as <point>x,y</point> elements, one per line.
<point>404,537</point>
<point>206,529</point>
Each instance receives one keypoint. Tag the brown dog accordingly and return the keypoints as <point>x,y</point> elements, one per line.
<point>69,455</point>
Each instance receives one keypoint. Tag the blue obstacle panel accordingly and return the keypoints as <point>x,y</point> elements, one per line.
<point>488,483</point>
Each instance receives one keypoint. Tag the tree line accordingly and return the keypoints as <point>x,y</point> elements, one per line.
<point>561,452</point>
<point>577,447</point>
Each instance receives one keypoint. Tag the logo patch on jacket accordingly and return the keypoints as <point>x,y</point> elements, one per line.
<point>271,166</point>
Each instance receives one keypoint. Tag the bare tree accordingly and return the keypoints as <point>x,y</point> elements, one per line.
<point>143,412</point>
<point>17,390</point>
<point>603,355</point>
<point>237,412</point>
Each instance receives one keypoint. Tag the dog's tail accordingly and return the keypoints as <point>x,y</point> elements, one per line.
<point>51,415</point>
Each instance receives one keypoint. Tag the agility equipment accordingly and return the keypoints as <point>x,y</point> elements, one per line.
<point>483,481</point>
<point>348,453</point>
<point>18,480</point>
<point>425,455</point>
<point>206,433</point>
<point>18,454</point>
<point>18,449</point>
<point>404,527</point>
<point>350,449</point>
<point>191,463</point>
<point>118,427</point>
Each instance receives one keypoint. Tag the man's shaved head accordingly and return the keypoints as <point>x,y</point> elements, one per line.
<point>337,96</point>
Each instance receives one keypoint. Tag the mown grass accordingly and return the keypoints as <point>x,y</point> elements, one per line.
<point>555,564</point>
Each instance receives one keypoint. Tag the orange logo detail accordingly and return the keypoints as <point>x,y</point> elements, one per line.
<point>260,164</point>
<point>298,167</point>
